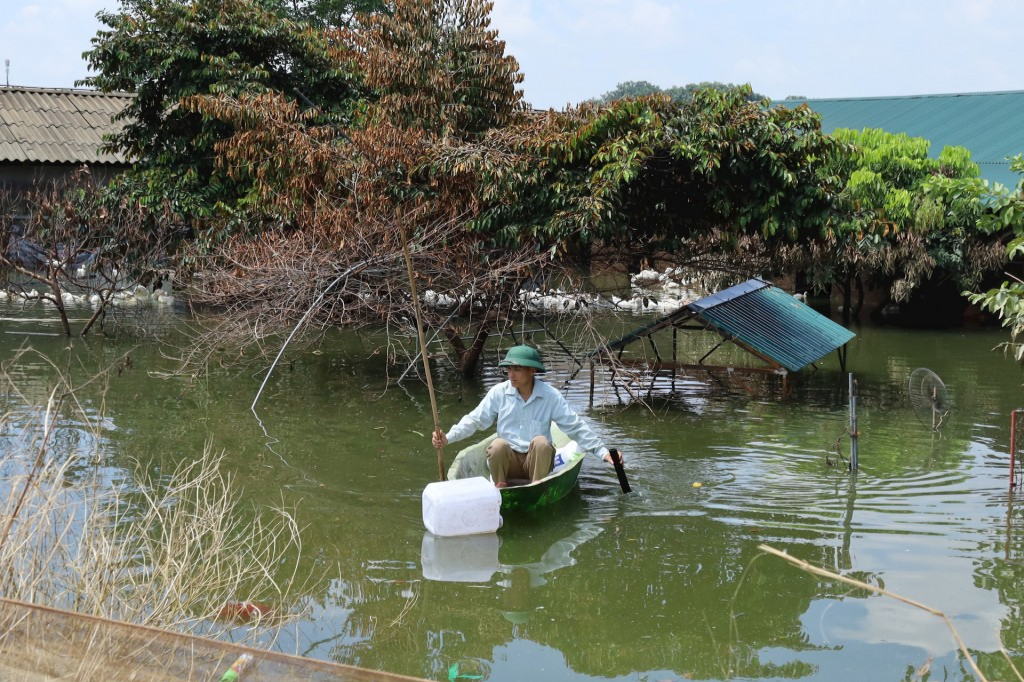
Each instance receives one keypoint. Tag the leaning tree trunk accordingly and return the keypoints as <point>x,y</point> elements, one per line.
<point>58,302</point>
<point>847,300</point>
<point>860,297</point>
<point>468,357</point>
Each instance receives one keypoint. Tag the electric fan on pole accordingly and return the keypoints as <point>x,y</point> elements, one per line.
<point>928,397</point>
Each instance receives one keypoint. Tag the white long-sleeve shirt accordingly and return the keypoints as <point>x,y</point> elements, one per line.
<point>520,420</point>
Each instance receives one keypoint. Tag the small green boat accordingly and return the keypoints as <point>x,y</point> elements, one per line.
<point>472,461</point>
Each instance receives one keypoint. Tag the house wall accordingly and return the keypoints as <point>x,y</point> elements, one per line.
<point>21,178</point>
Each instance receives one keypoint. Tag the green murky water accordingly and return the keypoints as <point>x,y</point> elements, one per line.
<point>664,584</point>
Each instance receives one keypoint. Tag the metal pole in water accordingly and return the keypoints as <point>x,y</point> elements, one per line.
<point>853,424</point>
<point>1013,446</point>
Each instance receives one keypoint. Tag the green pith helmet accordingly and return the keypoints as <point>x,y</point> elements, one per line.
<point>523,356</point>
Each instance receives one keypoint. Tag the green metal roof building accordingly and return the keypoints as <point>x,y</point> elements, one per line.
<point>989,124</point>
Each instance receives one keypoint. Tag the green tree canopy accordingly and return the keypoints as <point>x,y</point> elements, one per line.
<point>910,218</point>
<point>167,51</point>
<point>687,92</point>
<point>438,78</point>
<point>657,174</point>
<point>333,13</point>
<point>628,89</point>
<point>1007,300</point>
<point>678,93</point>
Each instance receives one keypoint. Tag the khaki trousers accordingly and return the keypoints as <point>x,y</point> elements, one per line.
<point>534,464</point>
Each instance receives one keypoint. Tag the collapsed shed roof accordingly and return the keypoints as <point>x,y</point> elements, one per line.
<point>760,318</point>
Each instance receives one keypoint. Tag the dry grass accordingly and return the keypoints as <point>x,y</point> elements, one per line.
<point>168,549</point>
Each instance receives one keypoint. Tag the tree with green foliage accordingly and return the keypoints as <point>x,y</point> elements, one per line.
<point>1007,300</point>
<point>641,176</point>
<point>687,92</point>
<point>911,220</point>
<point>333,13</point>
<point>628,89</point>
<point>438,78</point>
<point>678,93</point>
<point>167,51</point>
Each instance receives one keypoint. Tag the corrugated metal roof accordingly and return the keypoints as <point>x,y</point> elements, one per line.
<point>760,318</point>
<point>44,125</point>
<point>989,124</point>
<point>771,322</point>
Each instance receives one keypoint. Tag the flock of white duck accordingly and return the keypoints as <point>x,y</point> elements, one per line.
<point>651,292</point>
<point>123,297</point>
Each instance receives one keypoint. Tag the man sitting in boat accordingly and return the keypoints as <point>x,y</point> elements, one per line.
<point>524,407</point>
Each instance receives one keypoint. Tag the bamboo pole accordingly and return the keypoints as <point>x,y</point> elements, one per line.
<point>816,570</point>
<point>423,347</point>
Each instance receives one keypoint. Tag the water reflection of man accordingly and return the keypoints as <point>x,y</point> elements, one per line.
<point>524,407</point>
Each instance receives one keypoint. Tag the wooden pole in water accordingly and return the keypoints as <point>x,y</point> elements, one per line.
<point>592,377</point>
<point>423,348</point>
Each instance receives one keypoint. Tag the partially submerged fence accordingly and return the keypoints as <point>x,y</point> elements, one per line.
<point>38,644</point>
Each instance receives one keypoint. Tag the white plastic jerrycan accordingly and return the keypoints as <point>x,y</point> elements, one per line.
<point>462,507</point>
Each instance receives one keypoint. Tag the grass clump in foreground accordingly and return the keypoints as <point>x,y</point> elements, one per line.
<point>180,550</point>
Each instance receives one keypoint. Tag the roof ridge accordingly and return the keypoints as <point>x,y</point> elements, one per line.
<point>87,92</point>
<point>995,93</point>
<point>59,125</point>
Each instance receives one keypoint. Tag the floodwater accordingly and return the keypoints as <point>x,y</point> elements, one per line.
<point>666,583</point>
